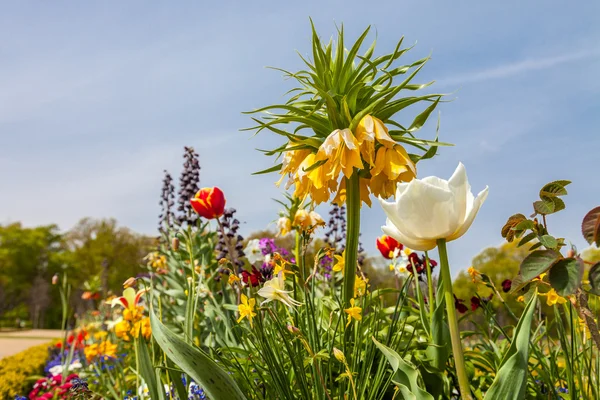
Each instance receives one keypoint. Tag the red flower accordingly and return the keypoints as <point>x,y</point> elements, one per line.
<point>253,278</point>
<point>458,304</point>
<point>506,285</point>
<point>209,202</point>
<point>387,245</point>
<point>475,303</point>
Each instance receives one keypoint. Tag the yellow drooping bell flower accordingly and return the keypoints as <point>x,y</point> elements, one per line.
<point>305,220</point>
<point>315,183</point>
<point>292,159</point>
<point>340,262</point>
<point>553,298</point>
<point>353,312</point>
<point>368,130</point>
<point>284,226</point>
<point>342,153</point>
<point>365,192</point>
<point>392,165</point>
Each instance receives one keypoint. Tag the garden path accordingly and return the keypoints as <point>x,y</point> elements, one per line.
<point>13,342</point>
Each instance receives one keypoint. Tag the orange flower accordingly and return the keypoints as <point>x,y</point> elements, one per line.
<point>209,202</point>
<point>388,246</point>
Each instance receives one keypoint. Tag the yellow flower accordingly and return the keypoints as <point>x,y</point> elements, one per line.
<point>100,335</point>
<point>392,165</point>
<point>540,278</point>
<point>144,327</point>
<point>306,220</point>
<point>368,130</point>
<point>353,312</point>
<point>104,349</point>
<point>360,286</point>
<point>284,225</point>
<point>475,275</point>
<point>365,192</point>
<point>233,279</point>
<point>342,153</point>
<point>246,309</point>
<point>339,355</point>
<point>280,266</point>
<point>122,330</point>
<point>521,299</point>
<point>553,298</point>
<point>133,314</point>
<point>339,264</point>
<point>156,260</point>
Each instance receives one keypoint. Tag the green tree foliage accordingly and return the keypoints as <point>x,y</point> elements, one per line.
<point>102,248</point>
<point>498,263</point>
<point>28,259</point>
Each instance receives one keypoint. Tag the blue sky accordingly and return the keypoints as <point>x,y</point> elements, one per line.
<point>98,98</point>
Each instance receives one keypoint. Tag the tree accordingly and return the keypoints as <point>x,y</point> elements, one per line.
<point>102,248</point>
<point>29,257</point>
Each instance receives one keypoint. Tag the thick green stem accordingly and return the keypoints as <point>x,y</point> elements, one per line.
<point>352,232</point>
<point>459,360</point>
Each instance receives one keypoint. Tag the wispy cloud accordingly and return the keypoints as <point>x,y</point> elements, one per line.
<point>519,67</point>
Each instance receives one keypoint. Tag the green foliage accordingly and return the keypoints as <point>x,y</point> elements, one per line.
<point>565,276</point>
<point>550,202</point>
<point>511,379</point>
<point>590,227</point>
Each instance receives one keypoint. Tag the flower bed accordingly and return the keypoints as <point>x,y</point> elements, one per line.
<point>17,369</point>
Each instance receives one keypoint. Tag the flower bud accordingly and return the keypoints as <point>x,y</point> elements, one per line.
<point>293,330</point>
<point>129,283</point>
<point>339,355</point>
<point>209,202</point>
<point>175,244</point>
<point>570,253</point>
<point>55,279</point>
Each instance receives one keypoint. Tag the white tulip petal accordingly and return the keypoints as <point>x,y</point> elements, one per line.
<point>401,188</point>
<point>425,210</point>
<point>459,185</point>
<point>412,243</point>
<point>471,216</point>
<point>437,182</point>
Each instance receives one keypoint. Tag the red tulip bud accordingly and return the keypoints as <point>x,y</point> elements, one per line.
<point>209,202</point>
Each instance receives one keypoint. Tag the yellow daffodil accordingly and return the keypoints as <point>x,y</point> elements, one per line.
<point>353,312</point>
<point>553,298</point>
<point>339,264</point>
<point>274,289</point>
<point>360,286</point>
<point>246,309</point>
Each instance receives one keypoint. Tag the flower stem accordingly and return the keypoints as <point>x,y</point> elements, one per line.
<point>352,232</point>
<point>459,360</point>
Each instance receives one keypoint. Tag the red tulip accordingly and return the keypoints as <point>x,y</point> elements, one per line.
<point>209,202</point>
<point>387,245</point>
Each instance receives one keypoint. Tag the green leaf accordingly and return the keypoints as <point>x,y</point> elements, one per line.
<point>565,276</point>
<point>543,207</point>
<point>594,278</point>
<point>268,170</point>
<point>217,384</point>
<point>420,119</point>
<point>527,238</point>
<point>511,380</point>
<point>406,376</point>
<point>439,350</point>
<point>176,380</point>
<point>537,263</point>
<point>553,189</point>
<point>590,227</point>
<point>146,367</point>
<point>548,241</point>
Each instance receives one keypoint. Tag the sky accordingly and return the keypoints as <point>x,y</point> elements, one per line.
<point>98,98</point>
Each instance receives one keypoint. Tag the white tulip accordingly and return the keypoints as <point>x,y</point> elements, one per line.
<point>432,208</point>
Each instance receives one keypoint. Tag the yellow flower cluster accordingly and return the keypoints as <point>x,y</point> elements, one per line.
<point>15,370</point>
<point>132,324</point>
<point>156,260</point>
<point>103,349</point>
<point>316,174</point>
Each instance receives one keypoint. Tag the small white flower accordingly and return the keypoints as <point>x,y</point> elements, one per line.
<point>253,252</point>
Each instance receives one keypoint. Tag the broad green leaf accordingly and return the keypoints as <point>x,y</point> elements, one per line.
<point>146,367</point>
<point>590,227</point>
<point>527,238</point>
<point>537,263</point>
<point>594,278</point>
<point>175,376</point>
<point>439,350</point>
<point>553,189</point>
<point>565,276</point>
<point>548,241</point>
<point>544,207</point>
<point>510,382</point>
<point>217,384</point>
<point>406,376</point>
